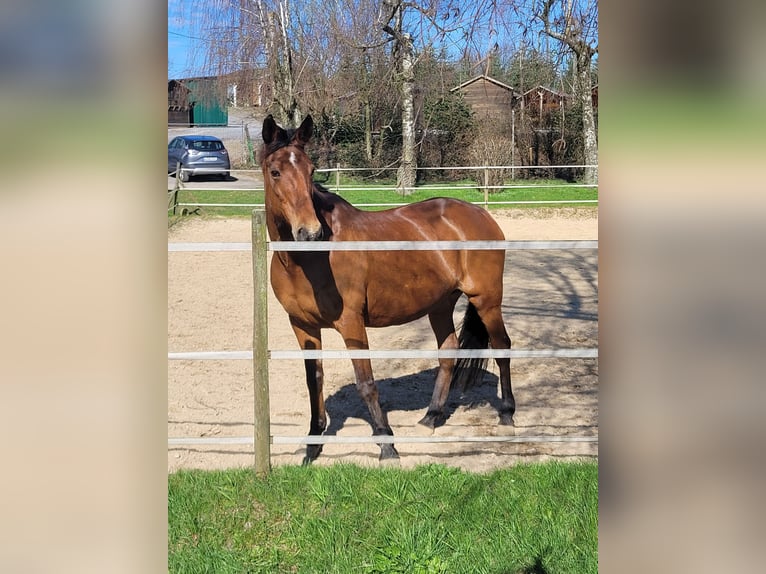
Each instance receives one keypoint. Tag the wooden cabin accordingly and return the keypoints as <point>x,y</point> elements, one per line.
<point>488,98</point>
<point>540,100</point>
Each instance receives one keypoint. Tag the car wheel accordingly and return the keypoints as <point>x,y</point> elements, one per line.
<point>184,175</point>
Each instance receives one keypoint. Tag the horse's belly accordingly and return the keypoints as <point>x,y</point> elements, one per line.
<point>402,303</point>
<point>380,315</point>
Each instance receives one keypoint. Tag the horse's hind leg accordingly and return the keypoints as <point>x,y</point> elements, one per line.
<point>312,340</point>
<point>444,329</point>
<point>492,318</point>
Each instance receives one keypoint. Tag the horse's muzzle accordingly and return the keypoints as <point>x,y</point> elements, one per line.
<point>304,234</point>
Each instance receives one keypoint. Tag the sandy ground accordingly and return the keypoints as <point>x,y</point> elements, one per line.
<point>551,301</point>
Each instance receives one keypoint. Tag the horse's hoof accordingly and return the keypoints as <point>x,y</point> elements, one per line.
<point>506,419</point>
<point>388,453</point>
<point>390,463</point>
<point>312,453</point>
<point>432,419</point>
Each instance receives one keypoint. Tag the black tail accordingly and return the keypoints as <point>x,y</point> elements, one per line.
<point>473,335</point>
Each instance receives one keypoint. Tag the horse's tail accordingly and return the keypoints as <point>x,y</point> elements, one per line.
<point>473,335</point>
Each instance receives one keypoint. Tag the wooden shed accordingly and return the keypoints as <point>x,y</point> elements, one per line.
<point>541,100</point>
<point>487,97</point>
<point>179,107</point>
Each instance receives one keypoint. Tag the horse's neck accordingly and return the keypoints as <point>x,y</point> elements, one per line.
<point>277,228</point>
<point>333,210</point>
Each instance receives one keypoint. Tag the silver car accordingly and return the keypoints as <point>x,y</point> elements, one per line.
<point>198,155</point>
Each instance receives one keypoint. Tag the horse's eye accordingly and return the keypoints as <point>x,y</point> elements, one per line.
<point>274,173</point>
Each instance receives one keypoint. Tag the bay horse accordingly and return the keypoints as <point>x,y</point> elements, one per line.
<point>350,291</point>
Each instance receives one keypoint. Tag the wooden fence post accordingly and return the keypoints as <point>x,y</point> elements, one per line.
<point>176,187</point>
<point>262,422</point>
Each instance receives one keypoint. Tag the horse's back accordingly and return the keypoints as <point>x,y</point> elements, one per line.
<point>453,218</point>
<point>436,219</point>
<point>393,287</point>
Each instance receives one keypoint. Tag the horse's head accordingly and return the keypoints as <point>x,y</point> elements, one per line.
<point>287,177</point>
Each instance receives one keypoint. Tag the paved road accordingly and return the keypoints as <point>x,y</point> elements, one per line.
<point>251,179</point>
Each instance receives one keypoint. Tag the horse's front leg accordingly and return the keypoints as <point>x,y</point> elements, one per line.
<point>311,339</point>
<point>355,336</point>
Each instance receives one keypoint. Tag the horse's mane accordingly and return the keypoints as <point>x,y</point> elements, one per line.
<point>326,199</point>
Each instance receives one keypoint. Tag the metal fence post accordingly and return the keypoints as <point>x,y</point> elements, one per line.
<point>262,423</point>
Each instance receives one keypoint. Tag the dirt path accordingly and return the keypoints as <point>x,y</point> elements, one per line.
<point>551,301</point>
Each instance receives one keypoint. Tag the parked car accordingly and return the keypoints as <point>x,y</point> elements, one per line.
<point>198,155</point>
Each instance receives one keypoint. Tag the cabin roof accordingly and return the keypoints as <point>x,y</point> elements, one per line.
<point>486,78</point>
<point>549,90</point>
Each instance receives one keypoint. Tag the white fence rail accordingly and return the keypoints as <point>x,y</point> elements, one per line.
<point>391,354</point>
<point>378,439</point>
<point>385,245</point>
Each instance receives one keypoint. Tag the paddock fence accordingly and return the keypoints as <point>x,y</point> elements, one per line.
<point>481,182</point>
<point>260,354</point>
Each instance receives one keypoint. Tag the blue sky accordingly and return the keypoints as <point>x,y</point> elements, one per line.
<point>186,49</point>
<point>182,42</point>
<point>185,45</point>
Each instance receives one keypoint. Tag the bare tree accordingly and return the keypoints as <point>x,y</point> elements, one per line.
<point>274,24</point>
<point>434,20</point>
<point>392,18</point>
<point>575,24</point>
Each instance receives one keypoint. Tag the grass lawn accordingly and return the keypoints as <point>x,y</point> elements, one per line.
<point>530,518</point>
<point>365,193</point>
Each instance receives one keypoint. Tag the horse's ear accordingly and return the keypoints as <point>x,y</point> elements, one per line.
<point>304,132</point>
<point>271,131</point>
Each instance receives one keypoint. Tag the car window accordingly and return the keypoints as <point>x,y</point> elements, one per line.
<point>208,145</point>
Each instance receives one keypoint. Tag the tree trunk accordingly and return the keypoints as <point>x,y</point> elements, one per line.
<point>590,142</point>
<point>368,131</point>
<point>408,169</point>
<point>572,35</point>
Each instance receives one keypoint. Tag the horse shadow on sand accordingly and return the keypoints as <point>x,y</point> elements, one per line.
<point>411,393</point>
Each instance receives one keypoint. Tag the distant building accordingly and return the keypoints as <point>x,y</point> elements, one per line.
<point>246,88</point>
<point>541,100</point>
<point>487,97</point>
<point>197,101</point>
<point>179,107</point>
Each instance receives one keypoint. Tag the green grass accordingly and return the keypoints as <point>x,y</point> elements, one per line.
<point>531,518</point>
<point>390,196</point>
